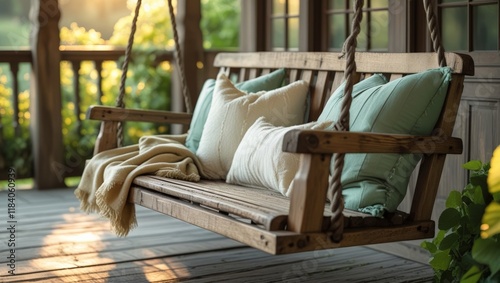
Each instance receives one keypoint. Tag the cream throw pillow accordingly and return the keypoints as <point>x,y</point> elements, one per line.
<point>234,111</point>
<point>260,161</point>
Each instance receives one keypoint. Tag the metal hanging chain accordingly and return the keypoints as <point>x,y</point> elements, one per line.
<point>430,8</point>
<point>335,187</point>
<point>180,64</point>
<point>128,51</point>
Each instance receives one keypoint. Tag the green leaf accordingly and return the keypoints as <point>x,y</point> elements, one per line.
<point>429,246</point>
<point>441,260</point>
<point>493,278</point>
<point>487,251</point>
<point>476,212</point>
<point>474,165</point>
<point>481,181</point>
<point>466,199</point>
<point>449,218</point>
<point>449,241</point>
<point>446,277</point>
<point>475,193</point>
<point>454,199</point>
<point>496,196</point>
<point>491,220</point>
<point>439,237</point>
<point>467,261</point>
<point>472,275</point>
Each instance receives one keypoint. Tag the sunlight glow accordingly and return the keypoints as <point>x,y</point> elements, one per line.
<point>165,66</point>
<point>70,245</point>
<point>171,43</point>
<point>141,86</point>
<point>150,5</point>
<point>163,269</point>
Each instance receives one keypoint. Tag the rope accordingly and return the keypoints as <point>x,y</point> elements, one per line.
<point>120,99</point>
<point>180,64</point>
<point>335,190</point>
<point>429,6</point>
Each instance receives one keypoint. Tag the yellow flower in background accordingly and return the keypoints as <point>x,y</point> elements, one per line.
<point>494,173</point>
<point>491,217</point>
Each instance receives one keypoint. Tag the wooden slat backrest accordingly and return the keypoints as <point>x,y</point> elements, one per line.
<point>324,73</point>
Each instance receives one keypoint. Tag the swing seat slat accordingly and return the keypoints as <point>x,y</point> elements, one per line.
<point>275,224</point>
<point>274,241</point>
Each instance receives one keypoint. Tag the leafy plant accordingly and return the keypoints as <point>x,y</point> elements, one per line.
<point>459,254</point>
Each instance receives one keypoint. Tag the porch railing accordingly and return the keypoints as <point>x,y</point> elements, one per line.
<point>15,59</point>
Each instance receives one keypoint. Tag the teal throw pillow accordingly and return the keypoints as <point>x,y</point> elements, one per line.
<point>374,183</point>
<point>267,82</point>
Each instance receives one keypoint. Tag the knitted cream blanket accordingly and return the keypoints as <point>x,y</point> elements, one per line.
<point>106,180</point>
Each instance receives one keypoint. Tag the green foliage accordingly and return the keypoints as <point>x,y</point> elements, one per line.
<point>220,23</point>
<point>458,252</point>
<point>15,147</point>
<point>148,83</point>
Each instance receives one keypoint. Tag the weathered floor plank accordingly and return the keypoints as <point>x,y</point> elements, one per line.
<point>55,242</point>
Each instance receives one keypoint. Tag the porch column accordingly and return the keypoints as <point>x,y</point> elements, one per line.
<point>188,18</point>
<point>46,125</point>
<point>191,40</point>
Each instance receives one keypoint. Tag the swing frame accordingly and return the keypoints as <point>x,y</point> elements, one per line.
<point>273,223</point>
<point>306,221</point>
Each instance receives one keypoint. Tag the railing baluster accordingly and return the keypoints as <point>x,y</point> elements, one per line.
<point>14,70</point>
<point>76,90</point>
<point>98,68</point>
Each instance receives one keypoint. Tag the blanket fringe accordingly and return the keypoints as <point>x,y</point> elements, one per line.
<point>108,175</point>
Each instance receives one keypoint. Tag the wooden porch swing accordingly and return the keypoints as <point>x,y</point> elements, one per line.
<point>306,221</point>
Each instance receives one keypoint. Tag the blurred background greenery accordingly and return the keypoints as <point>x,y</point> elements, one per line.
<point>148,85</point>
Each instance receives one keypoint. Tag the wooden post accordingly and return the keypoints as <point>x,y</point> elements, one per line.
<point>188,18</point>
<point>248,28</point>
<point>46,125</point>
<point>308,198</point>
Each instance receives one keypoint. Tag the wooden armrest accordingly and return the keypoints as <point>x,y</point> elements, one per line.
<point>323,142</point>
<point>107,113</point>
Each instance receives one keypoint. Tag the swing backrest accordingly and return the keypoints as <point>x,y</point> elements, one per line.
<point>325,72</point>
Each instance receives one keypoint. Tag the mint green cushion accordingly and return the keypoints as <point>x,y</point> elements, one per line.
<point>267,82</point>
<point>374,183</point>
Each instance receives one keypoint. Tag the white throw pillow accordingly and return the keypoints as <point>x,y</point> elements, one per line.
<point>234,111</point>
<point>259,160</point>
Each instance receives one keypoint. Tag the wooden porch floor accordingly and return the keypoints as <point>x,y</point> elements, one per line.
<point>55,242</point>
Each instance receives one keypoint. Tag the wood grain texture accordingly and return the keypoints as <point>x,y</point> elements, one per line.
<point>366,62</point>
<point>107,137</point>
<point>320,141</point>
<point>274,242</point>
<point>63,244</point>
<point>107,113</point>
<point>275,224</point>
<point>308,194</point>
<point>263,207</point>
<point>45,97</point>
